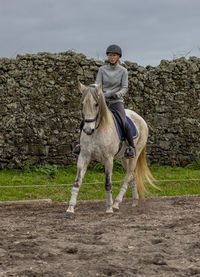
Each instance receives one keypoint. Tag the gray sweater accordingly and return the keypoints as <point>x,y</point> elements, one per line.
<point>114,80</point>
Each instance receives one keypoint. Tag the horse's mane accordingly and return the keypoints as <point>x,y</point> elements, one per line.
<point>98,96</point>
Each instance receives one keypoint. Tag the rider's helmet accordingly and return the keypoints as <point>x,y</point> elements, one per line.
<point>115,49</point>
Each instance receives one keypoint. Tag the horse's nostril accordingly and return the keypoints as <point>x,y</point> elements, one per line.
<point>88,131</point>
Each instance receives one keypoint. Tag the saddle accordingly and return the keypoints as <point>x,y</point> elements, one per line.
<point>120,125</point>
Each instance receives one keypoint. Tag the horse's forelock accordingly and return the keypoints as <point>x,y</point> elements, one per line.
<point>99,98</point>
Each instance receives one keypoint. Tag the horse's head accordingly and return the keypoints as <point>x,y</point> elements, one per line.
<point>93,107</point>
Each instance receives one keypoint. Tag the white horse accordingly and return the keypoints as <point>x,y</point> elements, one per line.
<point>100,142</point>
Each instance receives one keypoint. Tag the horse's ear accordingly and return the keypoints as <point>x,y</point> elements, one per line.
<point>81,87</point>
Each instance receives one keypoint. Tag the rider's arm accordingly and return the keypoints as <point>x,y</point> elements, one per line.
<point>113,94</point>
<point>124,85</point>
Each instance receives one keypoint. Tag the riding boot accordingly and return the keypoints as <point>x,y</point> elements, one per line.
<point>130,151</point>
<point>77,149</point>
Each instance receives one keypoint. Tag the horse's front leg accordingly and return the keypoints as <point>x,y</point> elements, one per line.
<point>108,184</point>
<point>81,169</point>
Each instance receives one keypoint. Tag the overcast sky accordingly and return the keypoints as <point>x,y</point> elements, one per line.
<point>147,30</point>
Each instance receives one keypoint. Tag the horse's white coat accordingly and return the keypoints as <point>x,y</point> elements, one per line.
<point>100,142</point>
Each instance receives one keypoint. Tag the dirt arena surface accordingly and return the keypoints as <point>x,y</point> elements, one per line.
<point>161,237</point>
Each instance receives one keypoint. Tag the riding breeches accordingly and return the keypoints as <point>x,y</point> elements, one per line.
<point>119,106</point>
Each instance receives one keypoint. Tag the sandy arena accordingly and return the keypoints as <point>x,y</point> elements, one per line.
<point>161,237</point>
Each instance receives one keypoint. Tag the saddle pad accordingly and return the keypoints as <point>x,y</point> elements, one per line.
<point>119,129</point>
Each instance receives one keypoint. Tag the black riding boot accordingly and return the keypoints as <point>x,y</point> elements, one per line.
<point>130,151</point>
<point>77,148</point>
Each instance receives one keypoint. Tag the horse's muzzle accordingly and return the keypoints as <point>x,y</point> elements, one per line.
<point>88,131</point>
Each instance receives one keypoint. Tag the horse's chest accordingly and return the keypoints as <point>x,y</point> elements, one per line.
<point>99,146</point>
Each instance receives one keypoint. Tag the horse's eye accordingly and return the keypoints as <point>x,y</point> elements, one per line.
<point>96,105</point>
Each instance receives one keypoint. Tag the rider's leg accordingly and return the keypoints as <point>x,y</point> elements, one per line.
<point>130,151</point>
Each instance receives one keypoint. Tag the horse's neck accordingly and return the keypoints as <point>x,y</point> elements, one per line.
<point>107,124</point>
<point>107,118</point>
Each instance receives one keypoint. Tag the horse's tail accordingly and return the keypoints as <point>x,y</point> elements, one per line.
<point>142,173</point>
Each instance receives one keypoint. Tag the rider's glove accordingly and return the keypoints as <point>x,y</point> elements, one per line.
<point>108,94</point>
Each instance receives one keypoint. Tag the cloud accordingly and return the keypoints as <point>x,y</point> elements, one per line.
<point>147,30</point>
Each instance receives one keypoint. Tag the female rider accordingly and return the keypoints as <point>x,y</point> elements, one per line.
<point>114,80</point>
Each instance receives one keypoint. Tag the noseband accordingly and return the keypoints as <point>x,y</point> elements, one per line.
<point>93,119</point>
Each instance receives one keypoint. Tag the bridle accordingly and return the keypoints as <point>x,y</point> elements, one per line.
<point>91,120</point>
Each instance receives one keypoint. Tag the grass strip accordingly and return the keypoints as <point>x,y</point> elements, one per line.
<point>48,176</point>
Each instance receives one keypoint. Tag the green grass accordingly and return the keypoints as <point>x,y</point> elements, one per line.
<point>176,187</point>
<point>51,175</point>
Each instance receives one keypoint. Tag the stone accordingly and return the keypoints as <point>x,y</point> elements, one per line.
<point>40,107</point>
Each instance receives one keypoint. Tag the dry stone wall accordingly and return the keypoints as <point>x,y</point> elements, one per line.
<point>40,107</point>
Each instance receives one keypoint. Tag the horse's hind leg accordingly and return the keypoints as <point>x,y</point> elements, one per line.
<point>135,194</point>
<point>129,165</point>
<point>81,169</point>
<point>120,196</point>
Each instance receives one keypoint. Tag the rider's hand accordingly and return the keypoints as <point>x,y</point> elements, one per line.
<point>115,96</point>
<point>108,94</point>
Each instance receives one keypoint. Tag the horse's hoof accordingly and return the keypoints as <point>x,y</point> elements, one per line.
<point>109,210</point>
<point>69,215</point>
<point>70,212</point>
<point>135,203</point>
<point>70,209</point>
<point>116,206</point>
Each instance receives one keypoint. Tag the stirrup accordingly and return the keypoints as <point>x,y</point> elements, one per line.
<point>77,150</point>
<point>130,153</point>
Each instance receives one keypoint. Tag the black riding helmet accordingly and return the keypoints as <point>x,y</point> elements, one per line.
<point>115,49</point>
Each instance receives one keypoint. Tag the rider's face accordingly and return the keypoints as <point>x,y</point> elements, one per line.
<point>113,58</point>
